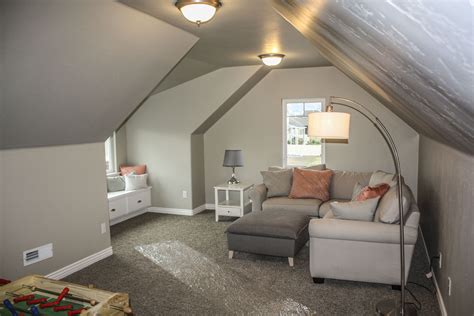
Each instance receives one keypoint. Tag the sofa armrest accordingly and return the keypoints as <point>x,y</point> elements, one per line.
<point>258,195</point>
<point>328,228</point>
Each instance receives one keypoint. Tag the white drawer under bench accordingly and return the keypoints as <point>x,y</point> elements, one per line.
<point>124,205</point>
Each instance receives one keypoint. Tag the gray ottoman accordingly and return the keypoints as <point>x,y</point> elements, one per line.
<point>273,233</point>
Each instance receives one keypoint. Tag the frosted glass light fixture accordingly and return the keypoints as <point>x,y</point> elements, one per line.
<point>198,11</point>
<point>271,59</point>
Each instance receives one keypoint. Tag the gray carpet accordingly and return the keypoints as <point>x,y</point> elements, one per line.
<point>178,265</point>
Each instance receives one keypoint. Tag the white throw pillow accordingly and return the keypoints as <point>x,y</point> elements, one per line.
<point>355,210</point>
<point>135,182</point>
<point>387,211</point>
<point>357,189</point>
<point>380,176</point>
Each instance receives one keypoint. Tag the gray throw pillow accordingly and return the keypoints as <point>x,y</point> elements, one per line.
<point>115,184</point>
<point>278,183</point>
<point>387,211</point>
<point>355,210</point>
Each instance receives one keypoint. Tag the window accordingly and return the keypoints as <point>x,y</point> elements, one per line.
<point>110,164</point>
<point>298,148</point>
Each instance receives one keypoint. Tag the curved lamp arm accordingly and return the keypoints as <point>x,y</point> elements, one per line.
<point>396,160</point>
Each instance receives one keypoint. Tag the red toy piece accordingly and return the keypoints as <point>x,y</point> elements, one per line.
<point>23,298</point>
<point>38,301</point>
<point>3,282</point>
<point>57,301</point>
<point>75,312</point>
<point>62,308</point>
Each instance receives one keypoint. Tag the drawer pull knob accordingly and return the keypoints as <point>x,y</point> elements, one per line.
<point>139,201</point>
<point>112,210</point>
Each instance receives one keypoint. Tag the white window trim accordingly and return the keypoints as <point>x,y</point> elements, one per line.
<point>284,103</point>
<point>113,150</point>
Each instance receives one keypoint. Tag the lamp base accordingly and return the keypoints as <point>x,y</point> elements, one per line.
<point>390,307</point>
<point>233,180</point>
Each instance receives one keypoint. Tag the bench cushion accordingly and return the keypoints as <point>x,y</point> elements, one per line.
<point>277,224</point>
<point>302,206</point>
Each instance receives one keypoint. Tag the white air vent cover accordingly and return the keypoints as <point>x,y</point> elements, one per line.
<point>37,254</point>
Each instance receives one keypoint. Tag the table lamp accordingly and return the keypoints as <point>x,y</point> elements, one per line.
<point>233,158</point>
<point>335,125</point>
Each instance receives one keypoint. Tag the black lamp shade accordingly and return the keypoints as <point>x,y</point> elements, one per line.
<point>233,158</point>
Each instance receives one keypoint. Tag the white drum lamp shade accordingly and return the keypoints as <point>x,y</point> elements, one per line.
<point>329,125</point>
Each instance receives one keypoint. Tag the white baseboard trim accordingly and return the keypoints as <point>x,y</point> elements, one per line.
<point>210,206</point>
<point>128,216</point>
<point>81,264</point>
<point>442,307</point>
<point>177,211</point>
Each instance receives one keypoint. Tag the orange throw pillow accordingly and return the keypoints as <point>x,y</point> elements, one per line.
<point>311,184</point>
<point>372,192</point>
<point>139,169</point>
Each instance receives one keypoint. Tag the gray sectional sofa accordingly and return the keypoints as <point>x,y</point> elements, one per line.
<point>339,248</point>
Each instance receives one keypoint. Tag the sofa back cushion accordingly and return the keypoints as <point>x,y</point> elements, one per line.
<point>343,182</point>
<point>311,184</point>
<point>278,183</point>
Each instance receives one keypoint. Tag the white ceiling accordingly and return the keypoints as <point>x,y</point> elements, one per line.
<point>240,31</point>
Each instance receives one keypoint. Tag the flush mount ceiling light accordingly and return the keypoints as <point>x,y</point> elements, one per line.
<point>271,59</point>
<point>198,11</point>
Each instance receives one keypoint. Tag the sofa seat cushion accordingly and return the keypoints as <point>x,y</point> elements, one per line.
<point>305,206</point>
<point>276,224</point>
<point>325,207</point>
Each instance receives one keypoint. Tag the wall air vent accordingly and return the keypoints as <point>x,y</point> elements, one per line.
<point>37,254</point>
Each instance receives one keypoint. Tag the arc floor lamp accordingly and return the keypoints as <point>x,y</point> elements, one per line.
<point>335,125</point>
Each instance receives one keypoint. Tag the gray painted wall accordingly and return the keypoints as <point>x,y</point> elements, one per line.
<point>54,195</point>
<point>446,199</point>
<point>2,220</point>
<point>77,69</point>
<point>159,133</point>
<point>255,125</point>
<point>197,170</point>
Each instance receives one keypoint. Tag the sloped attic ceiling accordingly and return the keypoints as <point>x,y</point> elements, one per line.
<point>74,70</point>
<point>416,57</point>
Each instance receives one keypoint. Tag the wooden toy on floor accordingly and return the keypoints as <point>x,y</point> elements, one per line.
<point>39,296</point>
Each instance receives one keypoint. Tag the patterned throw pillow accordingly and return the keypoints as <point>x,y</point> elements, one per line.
<point>369,192</point>
<point>311,184</point>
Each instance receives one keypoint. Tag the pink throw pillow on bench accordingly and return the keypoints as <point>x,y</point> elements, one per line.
<point>139,169</point>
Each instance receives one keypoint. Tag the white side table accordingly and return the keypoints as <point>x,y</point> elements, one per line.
<point>233,207</point>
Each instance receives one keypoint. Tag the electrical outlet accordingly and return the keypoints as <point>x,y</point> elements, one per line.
<point>185,194</point>
<point>103,228</point>
<point>449,286</point>
<point>440,261</point>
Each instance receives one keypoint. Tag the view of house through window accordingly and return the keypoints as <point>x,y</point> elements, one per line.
<point>110,154</point>
<point>299,148</point>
